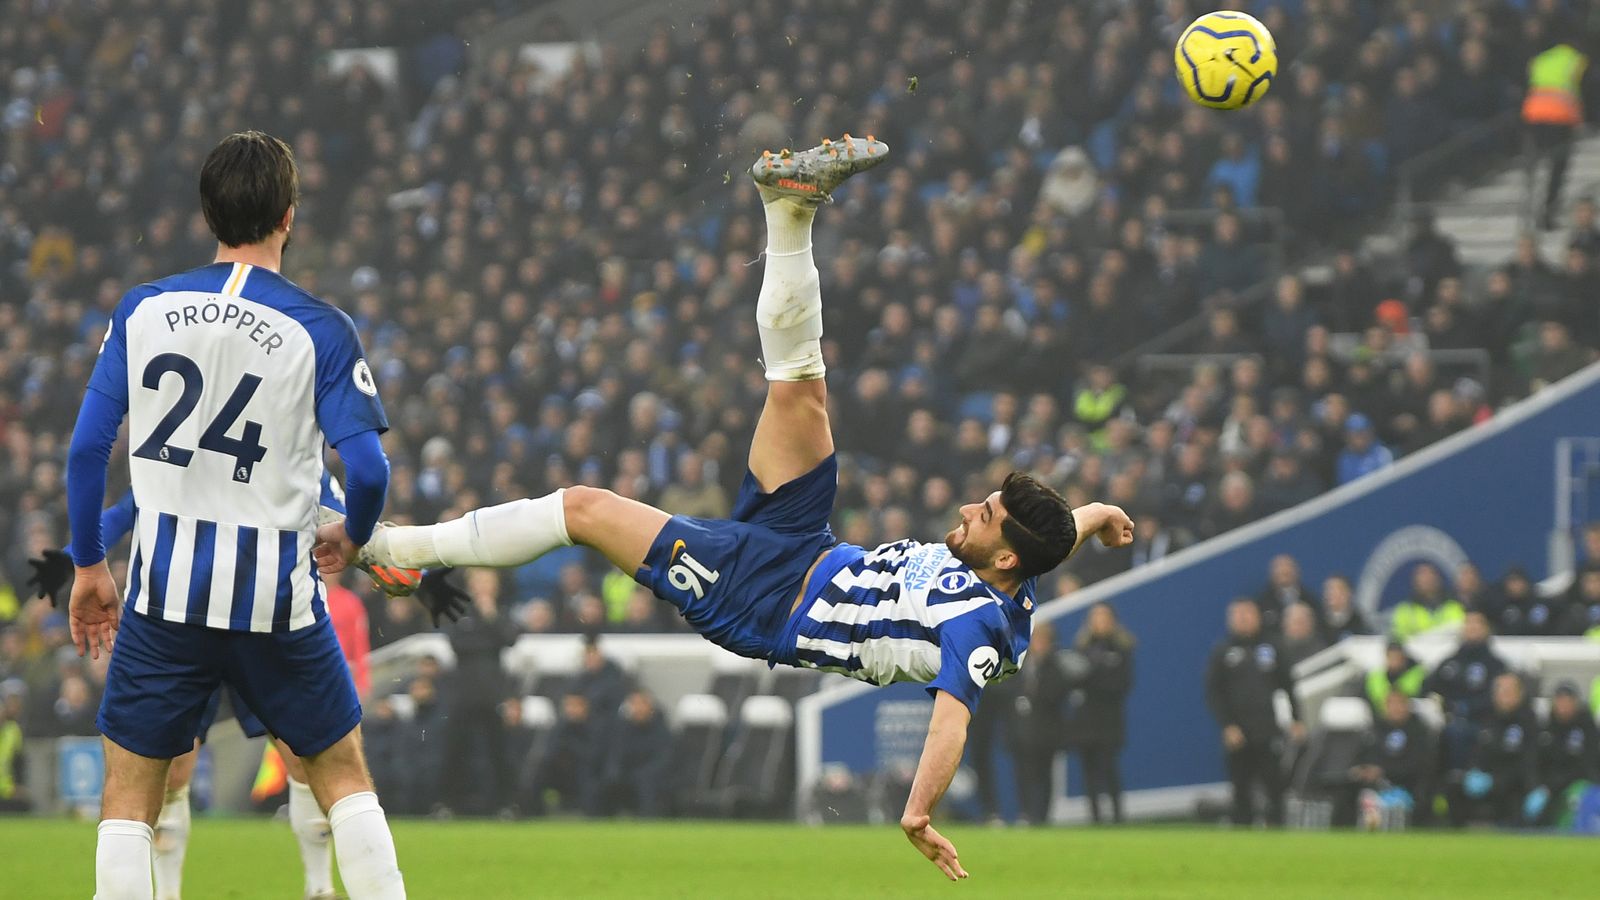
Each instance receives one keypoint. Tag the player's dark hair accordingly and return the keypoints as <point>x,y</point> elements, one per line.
<point>1038,525</point>
<point>247,184</point>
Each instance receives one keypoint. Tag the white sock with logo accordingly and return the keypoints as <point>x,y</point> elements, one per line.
<point>122,861</point>
<point>171,844</point>
<point>789,308</point>
<point>506,535</point>
<point>311,829</point>
<point>365,848</point>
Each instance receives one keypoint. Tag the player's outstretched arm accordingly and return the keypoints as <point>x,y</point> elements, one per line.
<point>941,755</point>
<point>1113,525</point>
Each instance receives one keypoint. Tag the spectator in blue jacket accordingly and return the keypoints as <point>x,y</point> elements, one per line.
<point>1362,454</point>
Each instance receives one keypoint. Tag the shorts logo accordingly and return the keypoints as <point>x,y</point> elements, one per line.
<point>363,379</point>
<point>983,664</point>
<point>687,573</point>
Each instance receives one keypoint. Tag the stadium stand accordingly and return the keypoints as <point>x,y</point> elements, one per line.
<point>551,265</point>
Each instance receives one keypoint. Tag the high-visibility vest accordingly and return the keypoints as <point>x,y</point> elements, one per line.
<point>1554,78</point>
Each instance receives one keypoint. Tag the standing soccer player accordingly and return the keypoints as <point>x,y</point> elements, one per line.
<point>231,378</point>
<point>773,582</point>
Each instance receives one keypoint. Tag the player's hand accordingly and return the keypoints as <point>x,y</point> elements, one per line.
<point>1232,737</point>
<point>1297,732</point>
<point>52,569</point>
<point>1118,528</point>
<point>441,597</point>
<point>933,845</point>
<point>334,549</point>
<point>94,611</point>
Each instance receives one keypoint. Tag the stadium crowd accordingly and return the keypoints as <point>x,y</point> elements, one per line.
<point>1498,755</point>
<point>553,269</point>
<point>550,269</point>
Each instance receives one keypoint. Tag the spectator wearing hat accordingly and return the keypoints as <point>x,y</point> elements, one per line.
<point>1569,754</point>
<point>1362,454</point>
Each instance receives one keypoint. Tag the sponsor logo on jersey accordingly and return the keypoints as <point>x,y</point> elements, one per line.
<point>983,664</point>
<point>956,582</point>
<point>923,565</point>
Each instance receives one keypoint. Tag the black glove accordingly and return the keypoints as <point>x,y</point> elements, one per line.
<point>51,572</point>
<point>441,597</point>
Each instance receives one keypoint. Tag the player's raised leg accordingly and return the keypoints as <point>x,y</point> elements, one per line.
<point>793,435</point>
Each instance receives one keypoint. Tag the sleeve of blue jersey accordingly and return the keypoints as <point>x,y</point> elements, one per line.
<point>87,457</point>
<point>347,395</point>
<point>960,640</point>
<point>110,375</point>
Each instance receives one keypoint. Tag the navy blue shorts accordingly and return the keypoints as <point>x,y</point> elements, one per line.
<point>248,722</point>
<point>163,676</point>
<point>734,580</point>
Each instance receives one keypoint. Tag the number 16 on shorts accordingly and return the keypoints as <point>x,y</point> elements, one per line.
<point>687,574</point>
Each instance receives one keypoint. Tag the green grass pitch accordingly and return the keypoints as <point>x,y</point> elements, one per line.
<point>484,860</point>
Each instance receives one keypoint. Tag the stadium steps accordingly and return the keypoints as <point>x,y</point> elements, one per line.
<point>1485,220</point>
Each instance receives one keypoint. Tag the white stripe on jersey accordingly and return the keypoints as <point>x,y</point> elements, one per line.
<point>223,567</point>
<point>886,659</point>
<point>144,543</point>
<point>305,588</point>
<point>180,565</point>
<point>266,580</point>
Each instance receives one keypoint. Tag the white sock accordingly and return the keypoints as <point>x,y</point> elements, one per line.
<point>122,861</point>
<point>171,844</point>
<point>789,308</point>
<point>506,535</point>
<point>365,848</point>
<point>312,831</point>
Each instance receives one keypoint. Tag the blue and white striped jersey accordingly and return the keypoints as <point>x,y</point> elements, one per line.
<point>910,611</point>
<point>233,378</point>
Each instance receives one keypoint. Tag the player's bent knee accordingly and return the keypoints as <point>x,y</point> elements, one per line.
<point>583,506</point>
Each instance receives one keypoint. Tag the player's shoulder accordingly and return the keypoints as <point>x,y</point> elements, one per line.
<point>322,319</point>
<point>200,278</point>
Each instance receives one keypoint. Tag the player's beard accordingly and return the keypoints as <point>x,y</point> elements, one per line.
<point>961,545</point>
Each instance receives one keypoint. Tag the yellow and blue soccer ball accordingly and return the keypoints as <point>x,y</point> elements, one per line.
<point>1226,60</point>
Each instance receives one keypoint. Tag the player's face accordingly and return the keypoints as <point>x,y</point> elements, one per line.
<point>976,538</point>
